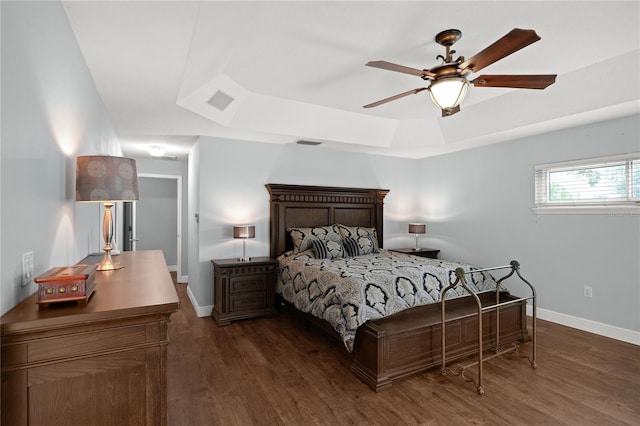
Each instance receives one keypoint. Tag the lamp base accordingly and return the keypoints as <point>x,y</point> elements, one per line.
<point>108,264</point>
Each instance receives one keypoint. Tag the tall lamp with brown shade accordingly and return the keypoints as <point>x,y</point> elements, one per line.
<point>244,232</point>
<point>417,228</point>
<point>106,179</point>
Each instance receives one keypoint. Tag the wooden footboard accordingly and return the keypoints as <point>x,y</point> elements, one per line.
<point>410,341</point>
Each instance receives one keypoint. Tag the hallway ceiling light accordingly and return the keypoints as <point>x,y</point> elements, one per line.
<point>157,150</point>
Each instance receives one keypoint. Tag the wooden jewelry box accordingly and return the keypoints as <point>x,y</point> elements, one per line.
<point>66,283</point>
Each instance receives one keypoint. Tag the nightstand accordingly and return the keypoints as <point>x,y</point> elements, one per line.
<point>423,252</point>
<point>243,289</point>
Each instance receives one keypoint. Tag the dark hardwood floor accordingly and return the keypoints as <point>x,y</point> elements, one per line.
<point>271,371</point>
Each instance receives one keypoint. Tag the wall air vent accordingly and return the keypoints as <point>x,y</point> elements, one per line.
<point>309,143</point>
<point>220,100</point>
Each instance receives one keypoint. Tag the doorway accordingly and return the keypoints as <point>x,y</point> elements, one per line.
<point>155,221</point>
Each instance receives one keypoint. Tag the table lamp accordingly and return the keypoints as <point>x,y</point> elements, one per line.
<point>417,228</point>
<point>244,232</point>
<point>106,179</point>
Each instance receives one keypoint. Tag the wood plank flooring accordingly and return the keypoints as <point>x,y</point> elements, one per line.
<point>272,371</point>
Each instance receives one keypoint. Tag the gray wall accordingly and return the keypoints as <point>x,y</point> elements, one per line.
<point>193,225</point>
<point>51,112</point>
<point>233,193</point>
<point>477,205</point>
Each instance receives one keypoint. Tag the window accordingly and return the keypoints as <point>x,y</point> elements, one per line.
<point>597,185</point>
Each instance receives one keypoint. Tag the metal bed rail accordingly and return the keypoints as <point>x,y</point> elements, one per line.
<point>461,280</point>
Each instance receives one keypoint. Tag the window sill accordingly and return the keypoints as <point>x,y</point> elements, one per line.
<point>601,210</point>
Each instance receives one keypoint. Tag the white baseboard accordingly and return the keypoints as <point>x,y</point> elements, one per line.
<point>599,328</point>
<point>172,268</point>
<point>201,311</point>
<point>183,279</point>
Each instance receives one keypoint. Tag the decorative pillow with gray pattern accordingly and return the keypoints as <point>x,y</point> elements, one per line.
<point>359,240</point>
<point>302,237</point>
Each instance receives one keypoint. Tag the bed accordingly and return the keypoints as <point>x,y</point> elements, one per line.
<point>404,341</point>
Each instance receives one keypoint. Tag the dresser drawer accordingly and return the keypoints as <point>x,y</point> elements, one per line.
<point>248,283</point>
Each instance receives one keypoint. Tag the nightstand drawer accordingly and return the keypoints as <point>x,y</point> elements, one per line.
<point>255,283</point>
<point>247,301</point>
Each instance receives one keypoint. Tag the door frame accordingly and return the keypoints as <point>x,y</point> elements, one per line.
<point>178,180</point>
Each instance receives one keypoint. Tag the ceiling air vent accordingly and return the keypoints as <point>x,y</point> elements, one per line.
<point>309,143</point>
<point>220,100</point>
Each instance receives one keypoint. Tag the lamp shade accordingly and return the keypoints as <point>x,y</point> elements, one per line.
<point>102,178</point>
<point>417,228</point>
<point>448,92</point>
<point>244,231</point>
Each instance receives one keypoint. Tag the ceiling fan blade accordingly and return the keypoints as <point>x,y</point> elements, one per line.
<point>515,40</point>
<point>541,81</point>
<point>393,98</point>
<point>400,68</point>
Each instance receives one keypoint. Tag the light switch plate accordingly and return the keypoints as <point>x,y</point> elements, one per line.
<point>27,268</point>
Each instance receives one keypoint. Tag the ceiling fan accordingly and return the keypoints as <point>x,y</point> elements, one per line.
<point>449,80</point>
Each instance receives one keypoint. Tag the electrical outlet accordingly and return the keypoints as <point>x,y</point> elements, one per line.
<point>588,291</point>
<point>27,268</point>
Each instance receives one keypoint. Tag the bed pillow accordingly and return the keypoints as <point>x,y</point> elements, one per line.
<point>302,237</point>
<point>329,248</point>
<point>351,247</point>
<point>366,239</point>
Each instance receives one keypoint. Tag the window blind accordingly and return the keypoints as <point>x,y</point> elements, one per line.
<point>597,182</point>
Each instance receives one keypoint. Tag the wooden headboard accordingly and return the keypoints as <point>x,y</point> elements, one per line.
<point>307,206</point>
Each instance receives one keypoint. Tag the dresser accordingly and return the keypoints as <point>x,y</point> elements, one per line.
<point>99,363</point>
<point>243,289</point>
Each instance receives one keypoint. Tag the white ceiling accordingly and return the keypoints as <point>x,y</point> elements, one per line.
<point>295,70</point>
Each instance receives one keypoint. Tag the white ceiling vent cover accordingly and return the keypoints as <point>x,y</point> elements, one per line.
<point>220,100</point>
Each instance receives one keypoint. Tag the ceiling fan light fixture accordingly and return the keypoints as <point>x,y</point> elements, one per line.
<point>447,93</point>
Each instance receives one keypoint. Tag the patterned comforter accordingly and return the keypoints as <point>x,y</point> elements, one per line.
<point>349,291</point>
